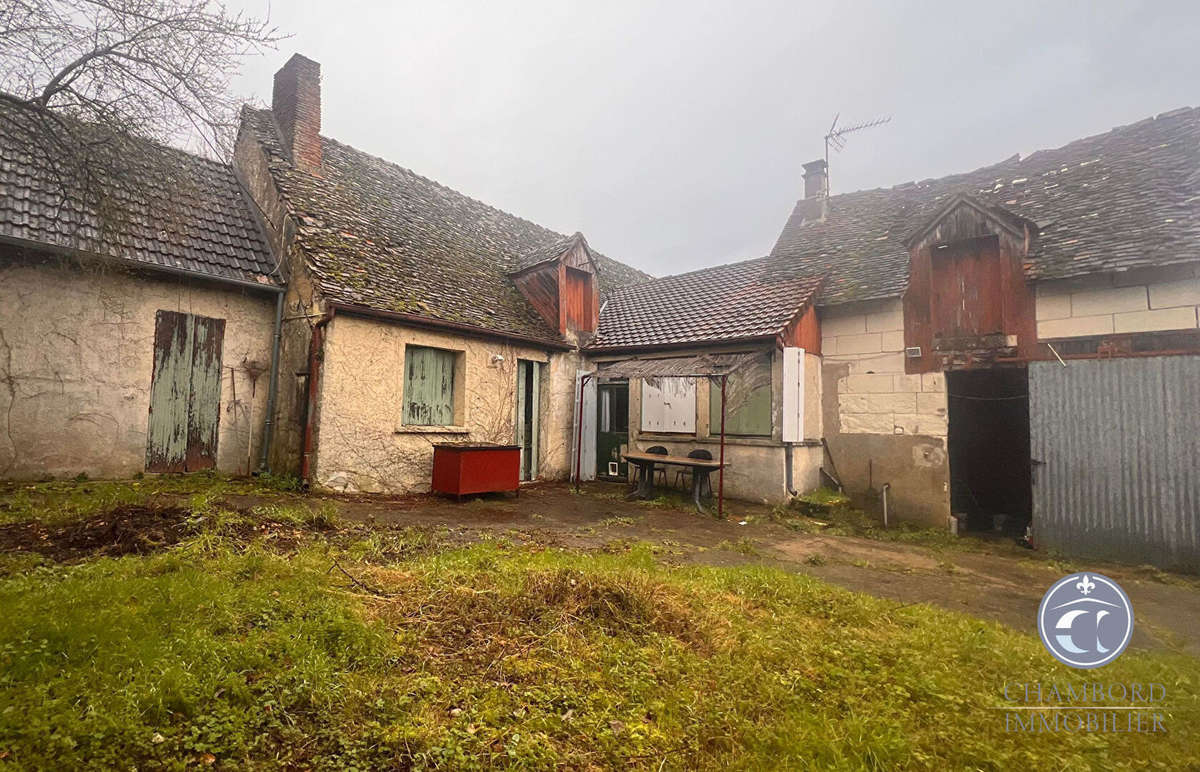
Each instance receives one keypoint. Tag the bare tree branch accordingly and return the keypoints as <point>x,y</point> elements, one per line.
<point>84,84</point>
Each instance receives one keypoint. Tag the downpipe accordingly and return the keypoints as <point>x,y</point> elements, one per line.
<point>883,492</point>
<point>787,454</point>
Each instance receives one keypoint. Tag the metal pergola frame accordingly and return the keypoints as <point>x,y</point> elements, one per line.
<point>715,367</point>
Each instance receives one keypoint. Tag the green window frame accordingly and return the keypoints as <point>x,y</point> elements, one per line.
<point>747,412</point>
<point>428,386</point>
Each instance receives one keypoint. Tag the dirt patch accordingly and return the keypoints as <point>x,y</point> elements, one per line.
<point>126,530</point>
<point>135,529</point>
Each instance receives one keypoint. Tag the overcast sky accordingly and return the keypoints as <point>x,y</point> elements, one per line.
<point>672,134</point>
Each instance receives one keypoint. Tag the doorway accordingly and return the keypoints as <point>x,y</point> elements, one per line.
<point>612,430</point>
<point>528,418</point>
<point>991,482</point>
<point>185,393</point>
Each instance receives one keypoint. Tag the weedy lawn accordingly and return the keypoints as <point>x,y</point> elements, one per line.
<point>340,648</point>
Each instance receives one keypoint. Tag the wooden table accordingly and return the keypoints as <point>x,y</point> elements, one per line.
<point>645,462</point>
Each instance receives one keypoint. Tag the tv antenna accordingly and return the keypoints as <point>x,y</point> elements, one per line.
<point>837,134</point>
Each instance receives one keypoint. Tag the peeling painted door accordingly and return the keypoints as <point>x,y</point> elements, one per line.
<point>185,393</point>
<point>528,419</point>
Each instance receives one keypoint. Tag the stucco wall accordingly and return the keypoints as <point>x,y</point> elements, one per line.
<point>882,425</point>
<point>362,444</point>
<point>76,357</point>
<point>1142,301</point>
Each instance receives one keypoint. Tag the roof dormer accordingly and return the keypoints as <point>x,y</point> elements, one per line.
<point>559,281</point>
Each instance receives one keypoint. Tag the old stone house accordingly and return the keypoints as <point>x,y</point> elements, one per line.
<point>136,315</point>
<point>1009,347</point>
<point>414,314</point>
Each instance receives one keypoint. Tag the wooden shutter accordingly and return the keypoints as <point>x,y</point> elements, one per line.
<point>669,405</point>
<point>185,393</point>
<point>428,387</point>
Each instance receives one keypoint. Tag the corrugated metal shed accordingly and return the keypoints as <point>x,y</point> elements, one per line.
<point>1119,442</point>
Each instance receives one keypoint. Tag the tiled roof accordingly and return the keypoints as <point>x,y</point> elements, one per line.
<point>728,302</point>
<point>379,235</point>
<point>161,207</point>
<point>1125,199</point>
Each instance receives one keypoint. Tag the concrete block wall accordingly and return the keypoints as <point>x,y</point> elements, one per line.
<point>875,396</point>
<point>1166,300</point>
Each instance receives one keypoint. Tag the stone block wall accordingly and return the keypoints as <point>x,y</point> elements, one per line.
<point>874,395</point>
<point>1166,299</point>
<point>883,426</point>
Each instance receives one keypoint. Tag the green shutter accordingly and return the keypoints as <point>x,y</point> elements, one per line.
<point>428,387</point>
<point>746,412</point>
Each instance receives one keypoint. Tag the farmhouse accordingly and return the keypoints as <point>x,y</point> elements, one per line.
<point>413,314</point>
<point>136,314</point>
<point>1014,349</point>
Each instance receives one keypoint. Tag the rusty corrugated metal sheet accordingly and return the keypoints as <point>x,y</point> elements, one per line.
<point>1119,442</point>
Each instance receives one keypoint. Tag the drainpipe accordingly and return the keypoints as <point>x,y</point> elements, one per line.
<point>316,346</point>
<point>787,454</point>
<point>884,492</point>
<point>264,463</point>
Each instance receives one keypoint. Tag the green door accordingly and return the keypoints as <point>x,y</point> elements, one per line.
<point>612,430</point>
<point>528,419</point>
<point>185,393</point>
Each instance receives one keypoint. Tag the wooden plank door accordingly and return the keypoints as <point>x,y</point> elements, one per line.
<point>967,296</point>
<point>528,415</point>
<point>185,393</point>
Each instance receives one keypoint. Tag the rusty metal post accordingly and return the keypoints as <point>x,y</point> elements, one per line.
<point>721,471</point>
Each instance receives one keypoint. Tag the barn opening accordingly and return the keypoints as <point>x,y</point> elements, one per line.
<point>991,485</point>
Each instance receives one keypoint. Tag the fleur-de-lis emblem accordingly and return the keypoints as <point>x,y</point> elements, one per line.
<point>1085,585</point>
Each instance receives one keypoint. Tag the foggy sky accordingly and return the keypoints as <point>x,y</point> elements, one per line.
<point>673,134</point>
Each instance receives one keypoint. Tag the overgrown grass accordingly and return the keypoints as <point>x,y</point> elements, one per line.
<point>826,511</point>
<point>63,501</point>
<point>493,655</point>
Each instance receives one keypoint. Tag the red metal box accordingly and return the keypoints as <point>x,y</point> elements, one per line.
<point>461,468</point>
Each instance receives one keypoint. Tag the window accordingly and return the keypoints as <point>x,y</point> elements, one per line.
<point>747,402</point>
<point>428,386</point>
<point>669,405</point>
<point>614,408</point>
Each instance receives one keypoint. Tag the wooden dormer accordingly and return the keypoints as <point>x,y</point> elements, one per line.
<point>968,302</point>
<point>559,281</point>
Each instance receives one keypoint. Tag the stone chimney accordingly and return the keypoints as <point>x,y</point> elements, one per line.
<point>816,179</point>
<point>296,104</point>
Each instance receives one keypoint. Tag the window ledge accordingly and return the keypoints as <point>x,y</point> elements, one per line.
<point>432,430</point>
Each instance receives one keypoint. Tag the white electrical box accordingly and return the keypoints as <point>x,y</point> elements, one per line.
<point>793,394</point>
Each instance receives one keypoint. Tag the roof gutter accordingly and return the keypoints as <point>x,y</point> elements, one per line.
<point>40,246</point>
<point>417,320</point>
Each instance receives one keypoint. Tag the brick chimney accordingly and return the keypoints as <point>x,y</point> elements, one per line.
<point>816,179</point>
<point>296,104</point>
